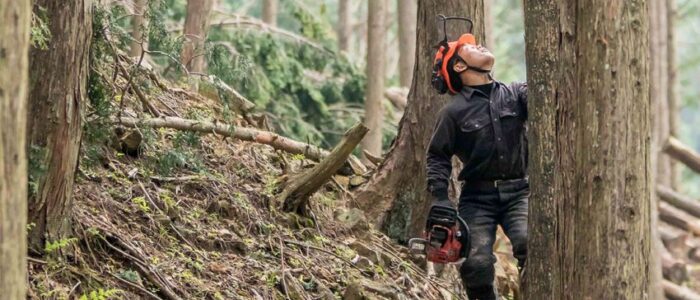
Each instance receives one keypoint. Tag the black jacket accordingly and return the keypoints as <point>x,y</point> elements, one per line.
<point>487,133</point>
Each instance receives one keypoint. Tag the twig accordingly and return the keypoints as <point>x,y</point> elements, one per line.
<point>136,286</point>
<point>327,252</point>
<point>36,260</point>
<point>73,289</point>
<point>282,270</point>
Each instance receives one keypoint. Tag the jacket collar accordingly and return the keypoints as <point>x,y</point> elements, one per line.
<point>468,91</point>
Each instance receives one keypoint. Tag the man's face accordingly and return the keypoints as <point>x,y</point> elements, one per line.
<point>477,56</point>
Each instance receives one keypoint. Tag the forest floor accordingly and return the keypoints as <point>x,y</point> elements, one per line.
<point>189,216</point>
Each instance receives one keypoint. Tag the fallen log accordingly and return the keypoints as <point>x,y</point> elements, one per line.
<point>678,200</point>
<point>677,292</point>
<point>683,153</point>
<point>675,217</point>
<point>242,133</point>
<point>295,195</point>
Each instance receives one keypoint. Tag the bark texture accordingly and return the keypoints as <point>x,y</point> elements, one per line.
<point>57,97</point>
<point>344,25</point>
<point>589,227</point>
<point>196,27</point>
<point>407,15</point>
<point>673,84</point>
<point>397,202</point>
<point>14,46</point>
<point>138,24</point>
<point>376,60</point>
<point>269,12</point>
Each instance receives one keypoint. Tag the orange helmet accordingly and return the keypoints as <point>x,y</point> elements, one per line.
<point>441,77</point>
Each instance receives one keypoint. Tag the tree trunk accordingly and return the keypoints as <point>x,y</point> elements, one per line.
<point>673,83</point>
<point>659,103</point>
<point>57,95</point>
<point>488,25</point>
<point>344,25</point>
<point>589,227</point>
<point>196,27</point>
<point>392,199</point>
<point>407,12</point>
<point>14,42</point>
<point>269,12</point>
<point>138,24</point>
<point>374,96</point>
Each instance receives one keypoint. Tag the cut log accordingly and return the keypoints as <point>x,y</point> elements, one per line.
<point>673,269</point>
<point>295,195</point>
<point>675,241</point>
<point>677,218</point>
<point>677,292</point>
<point>678,200</point>
<point>683,153</point>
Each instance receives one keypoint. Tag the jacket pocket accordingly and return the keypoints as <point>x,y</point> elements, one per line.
<point>475,123</point>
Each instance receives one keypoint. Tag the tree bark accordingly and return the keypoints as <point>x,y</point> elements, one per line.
<point>488,24</point>
<point>57,96</point>
<point>195,32</point>
<point>374,95</point>
<point>392,200</point>
<point>14,45</point>
<point>589,227</point>
<point>269,12</point>
<point>138,24</point>
<point>344,25</point>
<point>407,15</point>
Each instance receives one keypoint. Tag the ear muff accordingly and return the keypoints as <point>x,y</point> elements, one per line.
<point>441,77</point>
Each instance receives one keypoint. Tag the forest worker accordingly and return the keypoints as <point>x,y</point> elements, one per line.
<point>484,126</point>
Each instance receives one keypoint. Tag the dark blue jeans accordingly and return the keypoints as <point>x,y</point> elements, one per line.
<point>484,209</point>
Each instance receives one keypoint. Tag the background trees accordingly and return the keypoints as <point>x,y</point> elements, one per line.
<point>14,44</point>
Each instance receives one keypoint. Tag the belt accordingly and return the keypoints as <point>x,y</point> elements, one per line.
<point>490,184</point>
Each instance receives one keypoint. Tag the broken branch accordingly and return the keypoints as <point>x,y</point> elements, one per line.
<point>295,196</point>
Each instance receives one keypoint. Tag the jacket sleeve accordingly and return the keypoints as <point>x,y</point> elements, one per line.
<point>520,89</point>
<point>440,151</point>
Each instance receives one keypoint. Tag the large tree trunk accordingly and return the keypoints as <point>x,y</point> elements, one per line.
<point>396,196</point>
<point>488,24</point>
<point>269,12</point>
<point>376,60</point>
<point>407,14</point>
<point>138,23</point>
<point>344,25</point>
<point>196,27</point>
<point>57,95</point>
<point>589,231</point>
<point>14,42</point>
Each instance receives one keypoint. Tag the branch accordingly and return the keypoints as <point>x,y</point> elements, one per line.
<point>683,153</point>
<point>242,21</point>
<point>677,218</point>
<point>398,96</point>
<point>295,196</point>
<point>678,200</point>
<point>677,292</point>
<point>241,133</point>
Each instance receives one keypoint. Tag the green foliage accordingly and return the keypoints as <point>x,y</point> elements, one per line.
<point>53,246</point>
<point>141,204</point>
<point>101,294</point>
<point>36,167</point>
<point>130,275</point>
<point>40,31</point>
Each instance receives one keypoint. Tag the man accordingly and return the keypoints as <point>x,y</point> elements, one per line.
<point>484,126</point>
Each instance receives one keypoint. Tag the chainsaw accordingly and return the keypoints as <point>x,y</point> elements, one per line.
<point>446,238</point>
